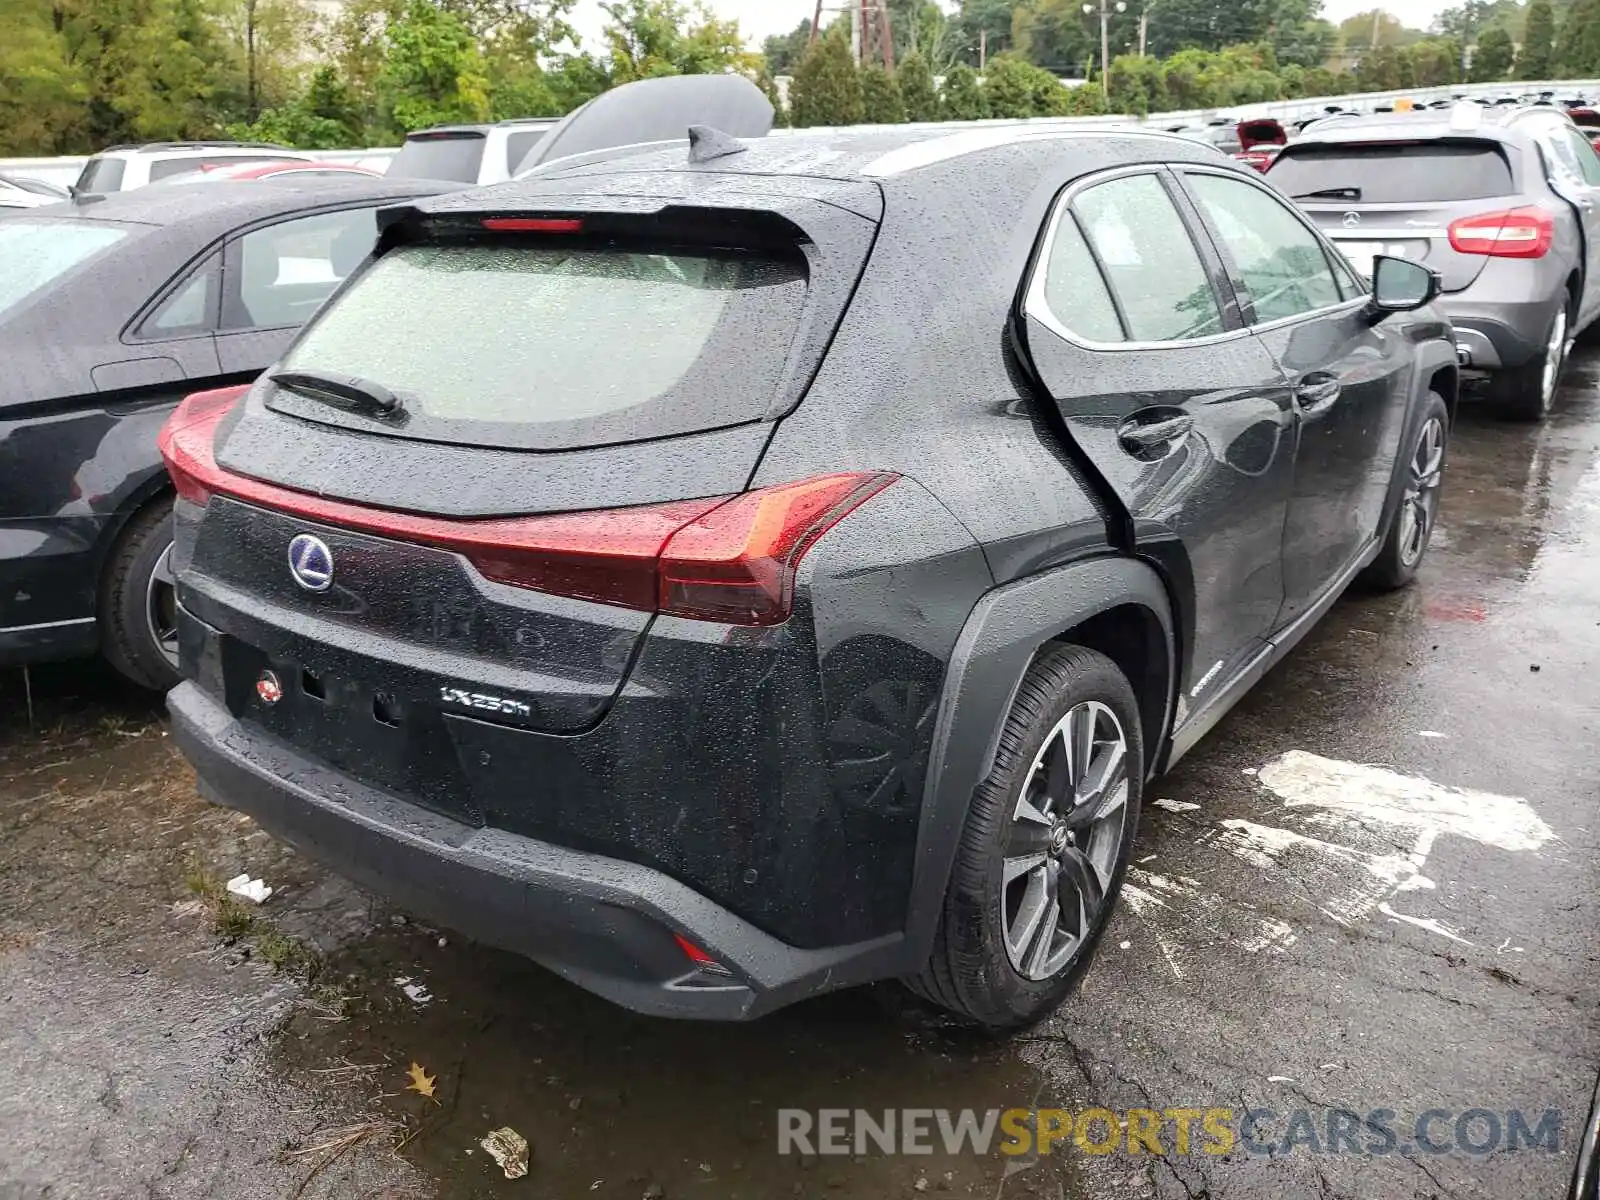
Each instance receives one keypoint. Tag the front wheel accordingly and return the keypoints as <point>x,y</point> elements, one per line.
<point>1044,849</point>
<point>1411,527</point>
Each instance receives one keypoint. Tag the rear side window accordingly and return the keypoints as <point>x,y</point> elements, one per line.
<point>540,347</point>
<point>280,274</point>
<point>452,156</point>
<point>1154,270</point>
<point>1075,291</point>
<point>101,175</point>
<point>38,253</point>
<point>518,145</point>
<point>1415,172</point>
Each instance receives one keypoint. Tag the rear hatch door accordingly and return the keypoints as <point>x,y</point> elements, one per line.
<point>579,373</point>
<point>1399,197</point>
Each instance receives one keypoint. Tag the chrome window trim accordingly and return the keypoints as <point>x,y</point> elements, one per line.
<point>1036,306</point>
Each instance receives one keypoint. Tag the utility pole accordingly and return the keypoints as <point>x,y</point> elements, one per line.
<point>1144,31</point>
<point>983,48</point>
<point>869,24</point>
<point>1377,18</point>
<point>1105,42</point>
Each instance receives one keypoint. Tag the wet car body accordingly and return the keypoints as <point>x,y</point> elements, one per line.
<point>609,788</point>
<point>90,378</point>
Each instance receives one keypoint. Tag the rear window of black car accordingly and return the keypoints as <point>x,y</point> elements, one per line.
<point>38,253</point>
<point>454,156</point>
<point>540,346</point>
<point>1395,173</point>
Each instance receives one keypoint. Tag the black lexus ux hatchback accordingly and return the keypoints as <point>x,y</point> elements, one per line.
<point>725,572</point>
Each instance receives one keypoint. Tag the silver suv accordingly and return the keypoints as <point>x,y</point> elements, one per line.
<point>123,168</point>
<point>1504,204</point>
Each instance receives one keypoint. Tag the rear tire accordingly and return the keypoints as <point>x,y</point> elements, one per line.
<point>1528,392</point>
<point>1411,526</point>
<point>138,633</point>
<point>990,965</point>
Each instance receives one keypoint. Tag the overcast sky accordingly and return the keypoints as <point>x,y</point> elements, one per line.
<point>758,18</point>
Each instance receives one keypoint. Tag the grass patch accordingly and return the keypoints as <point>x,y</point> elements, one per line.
<point>233,920</point>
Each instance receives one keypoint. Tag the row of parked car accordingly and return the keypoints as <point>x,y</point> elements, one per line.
<point>726,568</point>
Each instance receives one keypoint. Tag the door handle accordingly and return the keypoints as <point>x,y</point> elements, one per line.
<point>1316,393</point>
<point>1150,434</point>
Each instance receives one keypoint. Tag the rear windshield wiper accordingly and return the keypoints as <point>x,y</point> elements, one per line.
<point>1333,193</point>
<point>350,392</point>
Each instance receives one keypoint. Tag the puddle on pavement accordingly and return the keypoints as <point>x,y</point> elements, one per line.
<point>615,1105</point>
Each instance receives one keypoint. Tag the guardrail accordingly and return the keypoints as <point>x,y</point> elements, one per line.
<point>65,170</point>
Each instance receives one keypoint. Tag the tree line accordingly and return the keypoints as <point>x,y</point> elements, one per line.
<point>77,75</point>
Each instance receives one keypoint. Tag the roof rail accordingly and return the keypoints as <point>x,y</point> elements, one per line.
<point>198,145</point>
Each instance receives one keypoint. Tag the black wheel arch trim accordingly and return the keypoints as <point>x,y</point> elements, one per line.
<point>1431,359</point>
<point>1001,638</point>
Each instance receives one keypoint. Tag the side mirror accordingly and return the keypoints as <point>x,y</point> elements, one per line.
<point>1400,285</point>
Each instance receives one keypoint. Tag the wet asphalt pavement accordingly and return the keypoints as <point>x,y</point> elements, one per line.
<point>1316,921</point>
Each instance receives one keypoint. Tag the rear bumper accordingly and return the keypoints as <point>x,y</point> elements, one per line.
<point>1503,332</point>
<point>602,923</point>
<point>47,590</point>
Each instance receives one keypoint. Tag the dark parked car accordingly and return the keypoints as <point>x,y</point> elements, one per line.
<point>110,312</point>
<point>744,571</point>
<point>1503,202</point>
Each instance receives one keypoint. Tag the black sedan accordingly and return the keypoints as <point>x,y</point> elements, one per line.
<point>110,312</point>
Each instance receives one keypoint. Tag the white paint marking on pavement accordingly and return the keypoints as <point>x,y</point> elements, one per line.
<point>1380,795</point>
<point>1428,923</point>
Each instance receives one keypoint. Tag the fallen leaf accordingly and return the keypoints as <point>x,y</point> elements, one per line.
<point>421,1082</point>
<point>508,1148</point>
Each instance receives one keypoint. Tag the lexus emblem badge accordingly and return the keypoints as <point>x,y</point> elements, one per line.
<point>311,563</point>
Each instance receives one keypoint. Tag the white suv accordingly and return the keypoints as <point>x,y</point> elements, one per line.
<point>470,153</point>
<point>123,168</point>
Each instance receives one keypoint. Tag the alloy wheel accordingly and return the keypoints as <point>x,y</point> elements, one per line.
<point>1062,845</point>
<point>1420,504</point>
<point>161,608</point>
<point>1555,356</point>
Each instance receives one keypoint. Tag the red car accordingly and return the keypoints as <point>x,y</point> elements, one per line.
<point>1588,122</point>
<point>1259,142</point>
<point>233,172</point>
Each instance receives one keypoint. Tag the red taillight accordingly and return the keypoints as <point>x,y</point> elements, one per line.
<point>1514,233</point>
<point>731,559</point>
<point>185,441</point>
<point>533,224</point>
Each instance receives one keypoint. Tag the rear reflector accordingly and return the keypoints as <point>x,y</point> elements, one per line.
<point>533,224</point>
<point>699,957</point>
<point>731,559</point>
<point>1512,233</point>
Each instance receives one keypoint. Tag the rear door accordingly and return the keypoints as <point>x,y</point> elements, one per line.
<point>1573,171</point>
<point>1351,378</point>
<point>1399,198</point>
<point>277,275</point>
<point>1132,329</point>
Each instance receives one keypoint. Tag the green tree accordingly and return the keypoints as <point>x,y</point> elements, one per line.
<point>1536,58</point>
<point>42,91</point>
<point>1206,24</point>
<point>827,84</point>
<point>880,97</point>
<point>783,50</point>
<point>963,99</point>
<point>576,79</point>
<point>1052,34</point>
<point>1008,87</point>
<point>1381,70</point>
<point>326,117</point>
<point>433,72</point>
<point>916,87</point>
<point>1491,57</point>
<point>1434,62</point>
<point>1187,78</point>
<point>1579,51</point>
<point>769,89</point>
<point>1137,85</point>
<point>980,25</point>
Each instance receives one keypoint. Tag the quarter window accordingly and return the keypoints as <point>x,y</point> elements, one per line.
<point>190,309</point>
<point>281,274</point>
<point>1156,278</point>
<point>1588,161</point>
<point>1280,262</point>
<point>1074,289</point>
